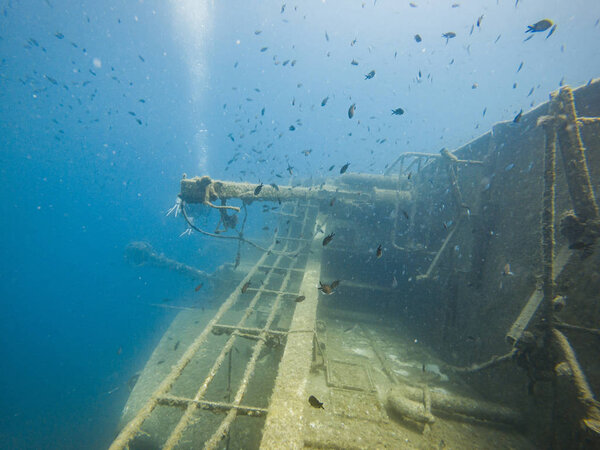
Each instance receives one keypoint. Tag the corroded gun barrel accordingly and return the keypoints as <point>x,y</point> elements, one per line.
<point>142,253</point>
<point>355,188</point>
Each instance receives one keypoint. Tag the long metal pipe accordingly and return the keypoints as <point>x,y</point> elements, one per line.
<point>193,191</point>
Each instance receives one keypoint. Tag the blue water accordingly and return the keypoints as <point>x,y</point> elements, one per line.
<point>82,177</point>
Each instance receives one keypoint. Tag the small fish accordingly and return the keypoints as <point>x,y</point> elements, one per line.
<point>160,362</point>
<point>406,215</point>
<point>197,288</point>
<point>327,289</point>
<point>498,38</point>
<point>258,188</point>
<point>397,112</point>
<point>479,19</point>
<point>328,239</point>
<point>351,110</point>
<point>59,35</point>
<point>344,168</point>
<point>484,111</point>
<point>332,201</point>
<point>370,75</point>
<point>520,67</point>
<point>176,346</point>
<point>542,25</point>
<point>257,32</point>
<point>314,402</point>
<point>292,128</point>
<point>506,271</point>
<point>120,351</point>
<point>331,167</point>
<point>354,62</point>
<point>300,298</point>
<point>518,117</point>
<point>551,31</point>
<point>326,37</point>
<point>306,152</point>
<point>245,287</point>
<point>413,5</point>
<point>51,80</point>
<point>262,112</point>
<point>379,251</point>
<point>418,38</point>
<point>264,49</point>
<point>324,101</point>
<point>449,35</point>
<point>132,381</point>
<point>274,186</point>
<point>141,58</point>
<point>527,38</point>
<point>474,86</point>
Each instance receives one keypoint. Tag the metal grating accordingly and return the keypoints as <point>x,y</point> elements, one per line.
<point>288,264</point>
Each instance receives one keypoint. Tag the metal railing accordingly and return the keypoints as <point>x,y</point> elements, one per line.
<point>283,264</point>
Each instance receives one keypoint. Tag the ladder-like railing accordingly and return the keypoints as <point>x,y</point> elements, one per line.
<point>287,262</point>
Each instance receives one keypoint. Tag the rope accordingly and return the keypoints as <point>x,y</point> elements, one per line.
<point>548,207</point>
<point>584,392</point>
<point>236,238</point>
<point>568,326</point>
<point>493,361</point>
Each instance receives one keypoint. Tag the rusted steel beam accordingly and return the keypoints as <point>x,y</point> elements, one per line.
<point>181,402</point>
<point>283,428</point>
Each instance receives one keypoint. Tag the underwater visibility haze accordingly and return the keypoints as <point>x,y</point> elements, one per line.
<point>105,107</point>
